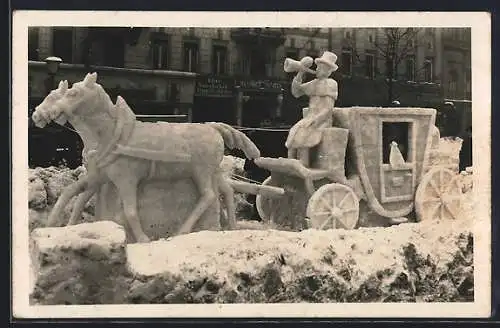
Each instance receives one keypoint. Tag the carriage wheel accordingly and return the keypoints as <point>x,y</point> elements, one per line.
<point>263,203</point>
<point>439,195</point>
<point>333,206</point>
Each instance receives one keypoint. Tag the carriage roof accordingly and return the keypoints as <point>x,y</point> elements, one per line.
<point>365,123</point>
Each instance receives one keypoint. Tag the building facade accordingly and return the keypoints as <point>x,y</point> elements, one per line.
<point>236,75</point>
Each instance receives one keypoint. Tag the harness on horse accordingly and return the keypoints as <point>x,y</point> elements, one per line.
<point>124,126</point>
<point>119,144</point>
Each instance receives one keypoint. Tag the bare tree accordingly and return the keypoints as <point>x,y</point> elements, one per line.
<point>393,46</point>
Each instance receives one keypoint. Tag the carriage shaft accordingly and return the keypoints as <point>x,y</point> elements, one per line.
<point>255,189</point>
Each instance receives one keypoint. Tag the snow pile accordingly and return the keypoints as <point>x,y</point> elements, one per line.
<point>426,262</point>
<point>447,154</point>
<point>233,165</point>
<point>45,187</point>
<point>81,262</point>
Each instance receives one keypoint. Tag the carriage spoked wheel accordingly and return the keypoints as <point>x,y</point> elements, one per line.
<point>439,195</point>
<point>333,206</point>
<point>263,203</point>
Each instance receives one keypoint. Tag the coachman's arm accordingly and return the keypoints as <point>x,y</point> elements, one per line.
<point>297,89</point>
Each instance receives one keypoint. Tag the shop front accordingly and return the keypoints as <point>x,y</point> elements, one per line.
<point>258,102</point>
<point>214,100</point>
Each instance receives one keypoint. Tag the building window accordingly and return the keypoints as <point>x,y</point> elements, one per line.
<point>292,53</point>
<point>347,34</point>
<point>370,66</point>
<point>62,44</point>
<point>410,69</point>
<point>190,56</point>
<point>370,38</point>
<point>219,59</point>
<point>160,54</point>
<point>452,83</point>
<point>346,61</point>
<point>245,63</point>
<point>33,34</point>
<point>428,74</point>
<point>467,82</point>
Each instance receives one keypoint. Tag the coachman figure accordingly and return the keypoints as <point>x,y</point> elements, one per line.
<point>322,93</point>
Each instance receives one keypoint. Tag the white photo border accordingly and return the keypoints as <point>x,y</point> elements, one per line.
<point>480,24</point>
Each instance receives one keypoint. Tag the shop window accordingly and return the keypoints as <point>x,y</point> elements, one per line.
<point>114,52</point>
<point>62,43</point>
<point>346,61</point>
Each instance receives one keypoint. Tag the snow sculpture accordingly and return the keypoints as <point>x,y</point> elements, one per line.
<point>123,153</point>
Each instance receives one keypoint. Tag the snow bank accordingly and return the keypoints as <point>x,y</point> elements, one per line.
<point>425,262</point>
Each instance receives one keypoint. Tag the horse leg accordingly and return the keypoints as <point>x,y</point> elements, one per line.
<point>127,190</point>
<point>82,199</point>
<point>228,194</point>
<point>63,200</point>
<point>207,197</point>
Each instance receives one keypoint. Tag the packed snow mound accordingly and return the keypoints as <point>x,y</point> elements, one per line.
<point>446,154</point>
<point>425,262</point>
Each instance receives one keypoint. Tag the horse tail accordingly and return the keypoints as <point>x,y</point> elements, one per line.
<point>236,139</point>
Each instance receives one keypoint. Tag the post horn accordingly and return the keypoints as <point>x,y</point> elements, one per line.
<point>293,66</point>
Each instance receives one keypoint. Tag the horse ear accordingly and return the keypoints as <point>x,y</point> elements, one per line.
<point>61,85</point>
<point>90,79</point>
<point>64,86</point>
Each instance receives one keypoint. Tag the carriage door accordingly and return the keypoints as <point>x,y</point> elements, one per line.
<point>397,169</point>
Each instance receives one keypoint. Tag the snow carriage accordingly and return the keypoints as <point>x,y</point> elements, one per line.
<point>368,170</point>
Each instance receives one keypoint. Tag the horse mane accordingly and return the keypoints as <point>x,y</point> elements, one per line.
<point>122,108</point>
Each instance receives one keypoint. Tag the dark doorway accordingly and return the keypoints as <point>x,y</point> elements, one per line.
<point>258,109</point>
<point>214,109</point>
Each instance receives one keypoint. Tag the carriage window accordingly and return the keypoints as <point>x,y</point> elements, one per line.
<point>398,132</point>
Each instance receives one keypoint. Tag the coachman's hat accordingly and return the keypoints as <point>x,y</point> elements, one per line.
<point>328,58</point>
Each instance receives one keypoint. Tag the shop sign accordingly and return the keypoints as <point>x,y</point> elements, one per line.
<point>208,86</point>
<point>266,85</point>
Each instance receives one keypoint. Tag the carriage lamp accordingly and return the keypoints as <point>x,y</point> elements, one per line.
<point>53,64</point>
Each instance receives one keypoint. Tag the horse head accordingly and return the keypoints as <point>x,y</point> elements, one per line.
<point>84,99</point>
<point>42,114</point>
